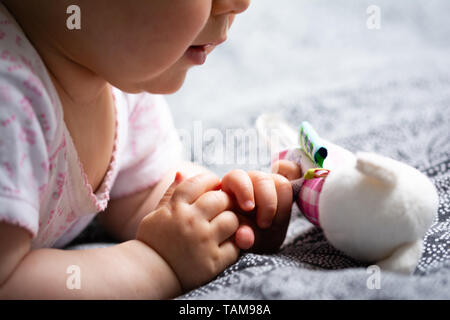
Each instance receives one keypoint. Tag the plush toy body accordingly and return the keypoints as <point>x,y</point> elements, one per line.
<point>373,208</point>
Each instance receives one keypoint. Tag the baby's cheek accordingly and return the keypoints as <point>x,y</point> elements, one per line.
<point>192,15</point>
<point>165,34</point>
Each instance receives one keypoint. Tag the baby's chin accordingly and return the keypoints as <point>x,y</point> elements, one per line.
<point>168,82</point>
<point>164,86</point>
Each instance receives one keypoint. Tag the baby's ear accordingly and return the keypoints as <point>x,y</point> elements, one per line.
<point>376,167</point>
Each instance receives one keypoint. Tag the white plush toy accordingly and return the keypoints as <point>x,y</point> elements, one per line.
<point>372,208</point>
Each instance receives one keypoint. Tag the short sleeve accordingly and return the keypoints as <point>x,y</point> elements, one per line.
<point>23,159</point>
<point>152,145</point>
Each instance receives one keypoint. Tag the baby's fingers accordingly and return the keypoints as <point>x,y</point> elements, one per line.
<point>240,185</point>
<point>245,237</point>
<point>284,196</point>
<point>191,189</point>
<point>229,253</point>
<point>212,203</point>
<point>288,169</point>
<point>224,225</point>
<point>169,192</point>
<point>266,198</point>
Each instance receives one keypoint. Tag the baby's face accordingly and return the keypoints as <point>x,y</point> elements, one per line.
<point>149,45</point>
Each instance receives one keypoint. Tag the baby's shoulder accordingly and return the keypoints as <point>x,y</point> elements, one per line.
<point>18,57</point>
<point>29,102</point>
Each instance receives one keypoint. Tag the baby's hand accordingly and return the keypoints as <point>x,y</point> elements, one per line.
<point>265,203</point>
<point>288,169</point>
<point>191,229</point>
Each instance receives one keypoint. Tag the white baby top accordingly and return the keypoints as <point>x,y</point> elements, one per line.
<point>42,184</point>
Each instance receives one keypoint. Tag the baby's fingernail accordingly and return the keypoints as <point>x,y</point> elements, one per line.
<point>249,205</point>
<point>178,177</point>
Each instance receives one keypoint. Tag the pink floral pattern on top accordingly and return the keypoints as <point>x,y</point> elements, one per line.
<point>43,187</point>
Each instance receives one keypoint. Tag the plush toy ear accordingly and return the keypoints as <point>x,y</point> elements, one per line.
<point>376,167</point>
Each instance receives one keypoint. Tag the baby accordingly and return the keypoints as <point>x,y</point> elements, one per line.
<point>84,132</point>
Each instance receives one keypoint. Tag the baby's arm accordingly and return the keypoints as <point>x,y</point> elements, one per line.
<point>182,244</point>
<point>131,270</point>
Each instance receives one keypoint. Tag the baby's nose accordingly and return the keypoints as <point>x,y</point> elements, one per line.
<point>230,6</point>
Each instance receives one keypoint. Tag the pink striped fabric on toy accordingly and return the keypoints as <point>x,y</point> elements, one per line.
<point>306,191</point>
<point>308,199</point>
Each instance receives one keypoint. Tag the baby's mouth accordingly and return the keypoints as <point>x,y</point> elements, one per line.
<point>209,46</point>
<point>202,47</point>
<point>198,53</point>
